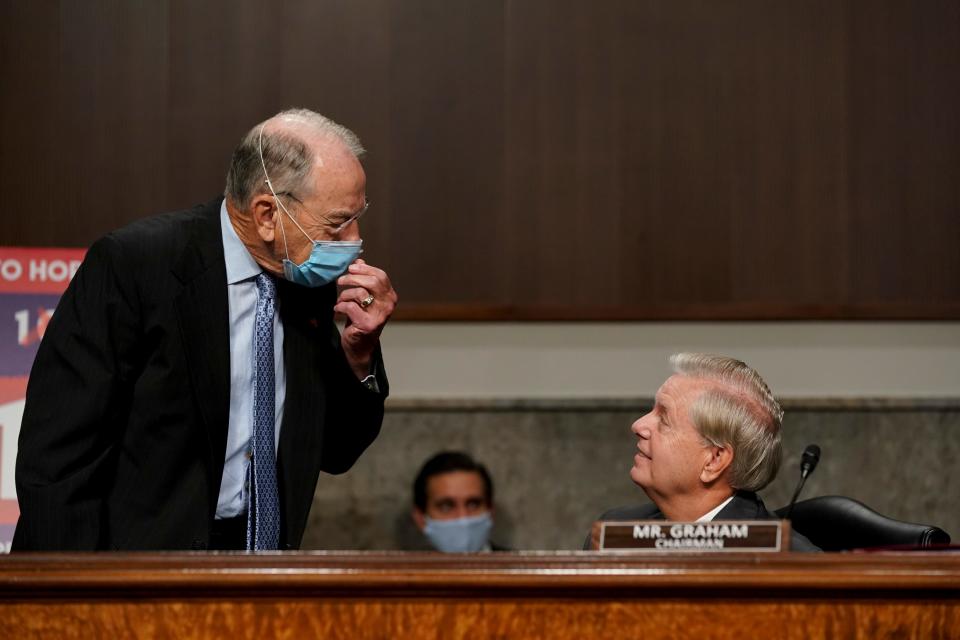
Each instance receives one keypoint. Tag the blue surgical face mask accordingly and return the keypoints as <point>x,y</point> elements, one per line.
<point>327,262</point>
<point>460,535</point>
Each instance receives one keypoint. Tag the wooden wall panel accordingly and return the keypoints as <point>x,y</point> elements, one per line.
<point>539,159</point>
<point>905,153</point>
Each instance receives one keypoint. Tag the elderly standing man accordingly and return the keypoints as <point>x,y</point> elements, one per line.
<point>192,383</point>
<point>710,443</point>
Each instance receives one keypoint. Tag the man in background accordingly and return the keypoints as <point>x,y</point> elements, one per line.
<point>710,443</point>
<point>453,503</point>
<point>192,383</point>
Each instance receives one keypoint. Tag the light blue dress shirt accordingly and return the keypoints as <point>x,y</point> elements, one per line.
<point>242,271</point>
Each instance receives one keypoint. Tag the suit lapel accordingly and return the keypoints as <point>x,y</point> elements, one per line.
<point>307,326</point>
<point>204,322</point>
<point>744,506</point>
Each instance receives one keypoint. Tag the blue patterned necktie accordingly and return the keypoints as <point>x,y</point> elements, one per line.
<point>263,507</point>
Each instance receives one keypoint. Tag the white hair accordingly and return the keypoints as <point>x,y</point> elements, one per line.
<point>286,156</point>
<point>740,413</point>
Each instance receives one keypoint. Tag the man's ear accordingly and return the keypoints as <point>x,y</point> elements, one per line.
<point>265,213</point>
<point>720,459</point>
<point>418,518</point>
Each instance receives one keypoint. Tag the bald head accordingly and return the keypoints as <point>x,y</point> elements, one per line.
<point>293,145</point>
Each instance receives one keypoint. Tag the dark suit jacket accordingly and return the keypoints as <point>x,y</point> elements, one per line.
<point>125,426</point>
<point>744,506</point>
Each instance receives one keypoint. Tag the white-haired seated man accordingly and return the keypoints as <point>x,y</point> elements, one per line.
<point>711,441</point>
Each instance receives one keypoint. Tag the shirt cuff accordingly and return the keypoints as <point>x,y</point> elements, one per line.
<point>370,382</point>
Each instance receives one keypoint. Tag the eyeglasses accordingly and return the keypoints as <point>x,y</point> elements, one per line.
<point>346,223</point>
<point>332,225</point>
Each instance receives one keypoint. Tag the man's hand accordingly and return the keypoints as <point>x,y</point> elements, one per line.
<point>367,299</point>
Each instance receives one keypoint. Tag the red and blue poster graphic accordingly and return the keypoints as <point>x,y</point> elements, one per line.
<point>31,281</point>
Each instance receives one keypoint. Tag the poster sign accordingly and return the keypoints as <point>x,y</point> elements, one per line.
<point>31,281</point>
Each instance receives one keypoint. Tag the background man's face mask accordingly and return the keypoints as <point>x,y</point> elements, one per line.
<point>460,535</point>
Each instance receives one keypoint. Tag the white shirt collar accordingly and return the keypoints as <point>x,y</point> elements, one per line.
<point>240,264</point>
<point>710,515</point>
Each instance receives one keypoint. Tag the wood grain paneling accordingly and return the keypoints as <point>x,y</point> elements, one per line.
<point>573,619</point>
<point>530,160</point>
<point>479,596</point>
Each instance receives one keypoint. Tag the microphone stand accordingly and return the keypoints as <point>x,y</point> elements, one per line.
<point>808,462</point>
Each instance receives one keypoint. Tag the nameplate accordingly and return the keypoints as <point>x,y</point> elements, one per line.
<point>661,536</point>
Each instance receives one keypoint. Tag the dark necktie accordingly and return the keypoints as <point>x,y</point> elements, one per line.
<point>263,509</point>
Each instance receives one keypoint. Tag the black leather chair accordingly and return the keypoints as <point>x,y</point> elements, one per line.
<point>836,523</point>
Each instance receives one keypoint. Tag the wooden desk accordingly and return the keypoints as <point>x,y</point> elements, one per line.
<point>532,595</point>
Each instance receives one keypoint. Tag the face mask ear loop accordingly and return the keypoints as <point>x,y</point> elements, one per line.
<point>263,164</point>
<point>283,234</point>
<point>294,221</point>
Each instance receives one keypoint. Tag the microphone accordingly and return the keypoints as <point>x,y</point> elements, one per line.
<point>808,462</point>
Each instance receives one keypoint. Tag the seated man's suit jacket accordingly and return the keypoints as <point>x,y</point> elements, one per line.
<point>125,426</point>
<point>744,506</point>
